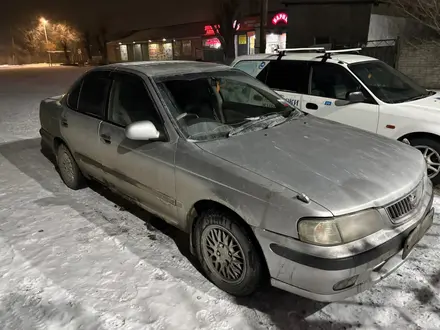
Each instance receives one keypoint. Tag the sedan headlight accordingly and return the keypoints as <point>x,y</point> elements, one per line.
<point>340,230</point>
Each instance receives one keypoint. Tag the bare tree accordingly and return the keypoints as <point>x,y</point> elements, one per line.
<point>101,39</point>
<point>87,43</point>
<point>425,12</point>
<point>66,36</point>
<point>227,15</point>
<point>33,38</point>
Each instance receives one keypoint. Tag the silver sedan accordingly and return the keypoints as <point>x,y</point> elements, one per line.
<point>267,193</point>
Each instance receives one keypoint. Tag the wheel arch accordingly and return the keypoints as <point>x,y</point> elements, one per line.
<point>200,206</point>
<point>426,135</point>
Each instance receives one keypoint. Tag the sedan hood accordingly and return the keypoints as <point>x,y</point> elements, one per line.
<point>344,169</point>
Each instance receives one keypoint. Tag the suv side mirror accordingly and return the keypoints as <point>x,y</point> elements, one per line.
<point>142,130</point>
<point>353,97</point>
<point>356,97</point>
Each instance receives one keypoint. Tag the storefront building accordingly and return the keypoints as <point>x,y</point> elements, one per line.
<point>198,41</point>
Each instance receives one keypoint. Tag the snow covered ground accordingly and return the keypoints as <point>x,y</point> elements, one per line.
<point>88,260</point>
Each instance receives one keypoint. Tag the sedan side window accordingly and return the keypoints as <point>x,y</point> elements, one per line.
<point>332,81</point>
<point>94,94</point>
<point>131,102</point>
<point>73,97</point>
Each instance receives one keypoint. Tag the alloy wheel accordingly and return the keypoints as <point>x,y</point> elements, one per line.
<point>432,159</point>
<point>223,254</point>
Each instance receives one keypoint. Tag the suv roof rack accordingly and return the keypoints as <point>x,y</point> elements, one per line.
<point>328,53</point>
<point>282,51</point>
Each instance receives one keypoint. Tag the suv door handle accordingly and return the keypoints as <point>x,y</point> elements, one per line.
<point>312,106</point>
<point>64,122</point>
<point>106,138</point>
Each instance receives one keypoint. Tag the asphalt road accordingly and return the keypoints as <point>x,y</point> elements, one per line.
<point>90,260</point>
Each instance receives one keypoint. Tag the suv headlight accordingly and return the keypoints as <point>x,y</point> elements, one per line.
<point>340,230</point>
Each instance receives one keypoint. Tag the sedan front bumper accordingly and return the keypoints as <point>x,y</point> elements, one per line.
<point>334,278</point>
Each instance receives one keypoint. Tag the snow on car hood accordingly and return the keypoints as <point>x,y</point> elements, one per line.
<point>342,168</point>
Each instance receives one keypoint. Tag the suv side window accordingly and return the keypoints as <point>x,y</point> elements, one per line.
<point>332,81</point>
<point>131,102</point>
<point>257,69</point>
<point>288,76</point>
<point>94,94</point>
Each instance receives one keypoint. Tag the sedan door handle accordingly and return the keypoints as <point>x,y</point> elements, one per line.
<point>106,138</point>
<point>312,106</point>
<point>64,122</point>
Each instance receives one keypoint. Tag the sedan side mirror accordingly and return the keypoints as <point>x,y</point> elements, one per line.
<point>353,97</point>
<point>142,130</point>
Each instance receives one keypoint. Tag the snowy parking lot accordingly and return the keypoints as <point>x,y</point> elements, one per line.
<point>89,260</point>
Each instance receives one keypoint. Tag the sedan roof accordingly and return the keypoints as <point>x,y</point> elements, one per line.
<point>171,68</point>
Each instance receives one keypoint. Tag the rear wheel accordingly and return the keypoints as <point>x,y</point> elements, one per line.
<point>69,170</point>
<point>227,253</point>
<point>430,150</point>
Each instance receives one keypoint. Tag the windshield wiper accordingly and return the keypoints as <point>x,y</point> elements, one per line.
<point>254,125</point>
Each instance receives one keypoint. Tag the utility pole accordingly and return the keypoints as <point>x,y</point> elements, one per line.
<point>44,22</point>
<point>13,47</point>
<point>263,24</point>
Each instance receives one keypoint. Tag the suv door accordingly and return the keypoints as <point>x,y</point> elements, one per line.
<point>287,78</point>
<point>331,82</point>
<point>82,113</point>
<point>143,170</point>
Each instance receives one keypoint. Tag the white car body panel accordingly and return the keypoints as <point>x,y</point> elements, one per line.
<point>420,116</point>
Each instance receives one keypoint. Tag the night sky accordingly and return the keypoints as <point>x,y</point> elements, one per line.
<point>116,15</point>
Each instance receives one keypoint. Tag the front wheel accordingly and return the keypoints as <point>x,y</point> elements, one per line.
<point>227,253</point>
<point>430,150</point>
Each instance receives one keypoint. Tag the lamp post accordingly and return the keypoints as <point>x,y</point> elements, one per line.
<point>44,22</point>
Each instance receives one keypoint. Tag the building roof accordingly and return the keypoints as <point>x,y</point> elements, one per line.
<point>347,58</point>
<point>170,68</point>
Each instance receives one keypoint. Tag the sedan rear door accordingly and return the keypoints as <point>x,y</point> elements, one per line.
<point>81,117</point>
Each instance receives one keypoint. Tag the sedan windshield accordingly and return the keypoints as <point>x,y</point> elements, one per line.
<point>388,84</point>
<point>220,104</point>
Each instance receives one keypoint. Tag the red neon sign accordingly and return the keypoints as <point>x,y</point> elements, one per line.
<point>280,17</point>
<point>211,30</point>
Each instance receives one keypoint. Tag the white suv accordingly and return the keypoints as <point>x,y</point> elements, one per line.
<point>355,90</point>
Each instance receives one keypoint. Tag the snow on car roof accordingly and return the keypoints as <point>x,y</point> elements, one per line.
<point>312,56</point>
<point>168,68</point>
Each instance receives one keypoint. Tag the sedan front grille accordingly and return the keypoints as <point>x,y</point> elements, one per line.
<point>406,205</point>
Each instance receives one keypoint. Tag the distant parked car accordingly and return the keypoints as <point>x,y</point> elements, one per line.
<point>266,192</point>
<point>355,90</point>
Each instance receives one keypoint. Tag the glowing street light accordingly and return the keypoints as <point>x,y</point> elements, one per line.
<point>44,22</point>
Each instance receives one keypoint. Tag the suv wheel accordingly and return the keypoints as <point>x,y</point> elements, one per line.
<point>69,170</point>
<point>431,151</point>
<point>227,253</point>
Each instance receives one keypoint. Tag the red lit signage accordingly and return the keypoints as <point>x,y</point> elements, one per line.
<point>210,30</point>
<point>280,18</point>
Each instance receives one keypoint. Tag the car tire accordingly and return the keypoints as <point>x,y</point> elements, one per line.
<point>430,149</point>
<point>237,267</point>
<point>68,168</point>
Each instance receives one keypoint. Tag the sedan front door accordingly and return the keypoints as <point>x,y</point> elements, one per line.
<point>143,170</point>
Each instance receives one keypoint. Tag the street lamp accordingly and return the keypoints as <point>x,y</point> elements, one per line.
<point>44,22</point>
